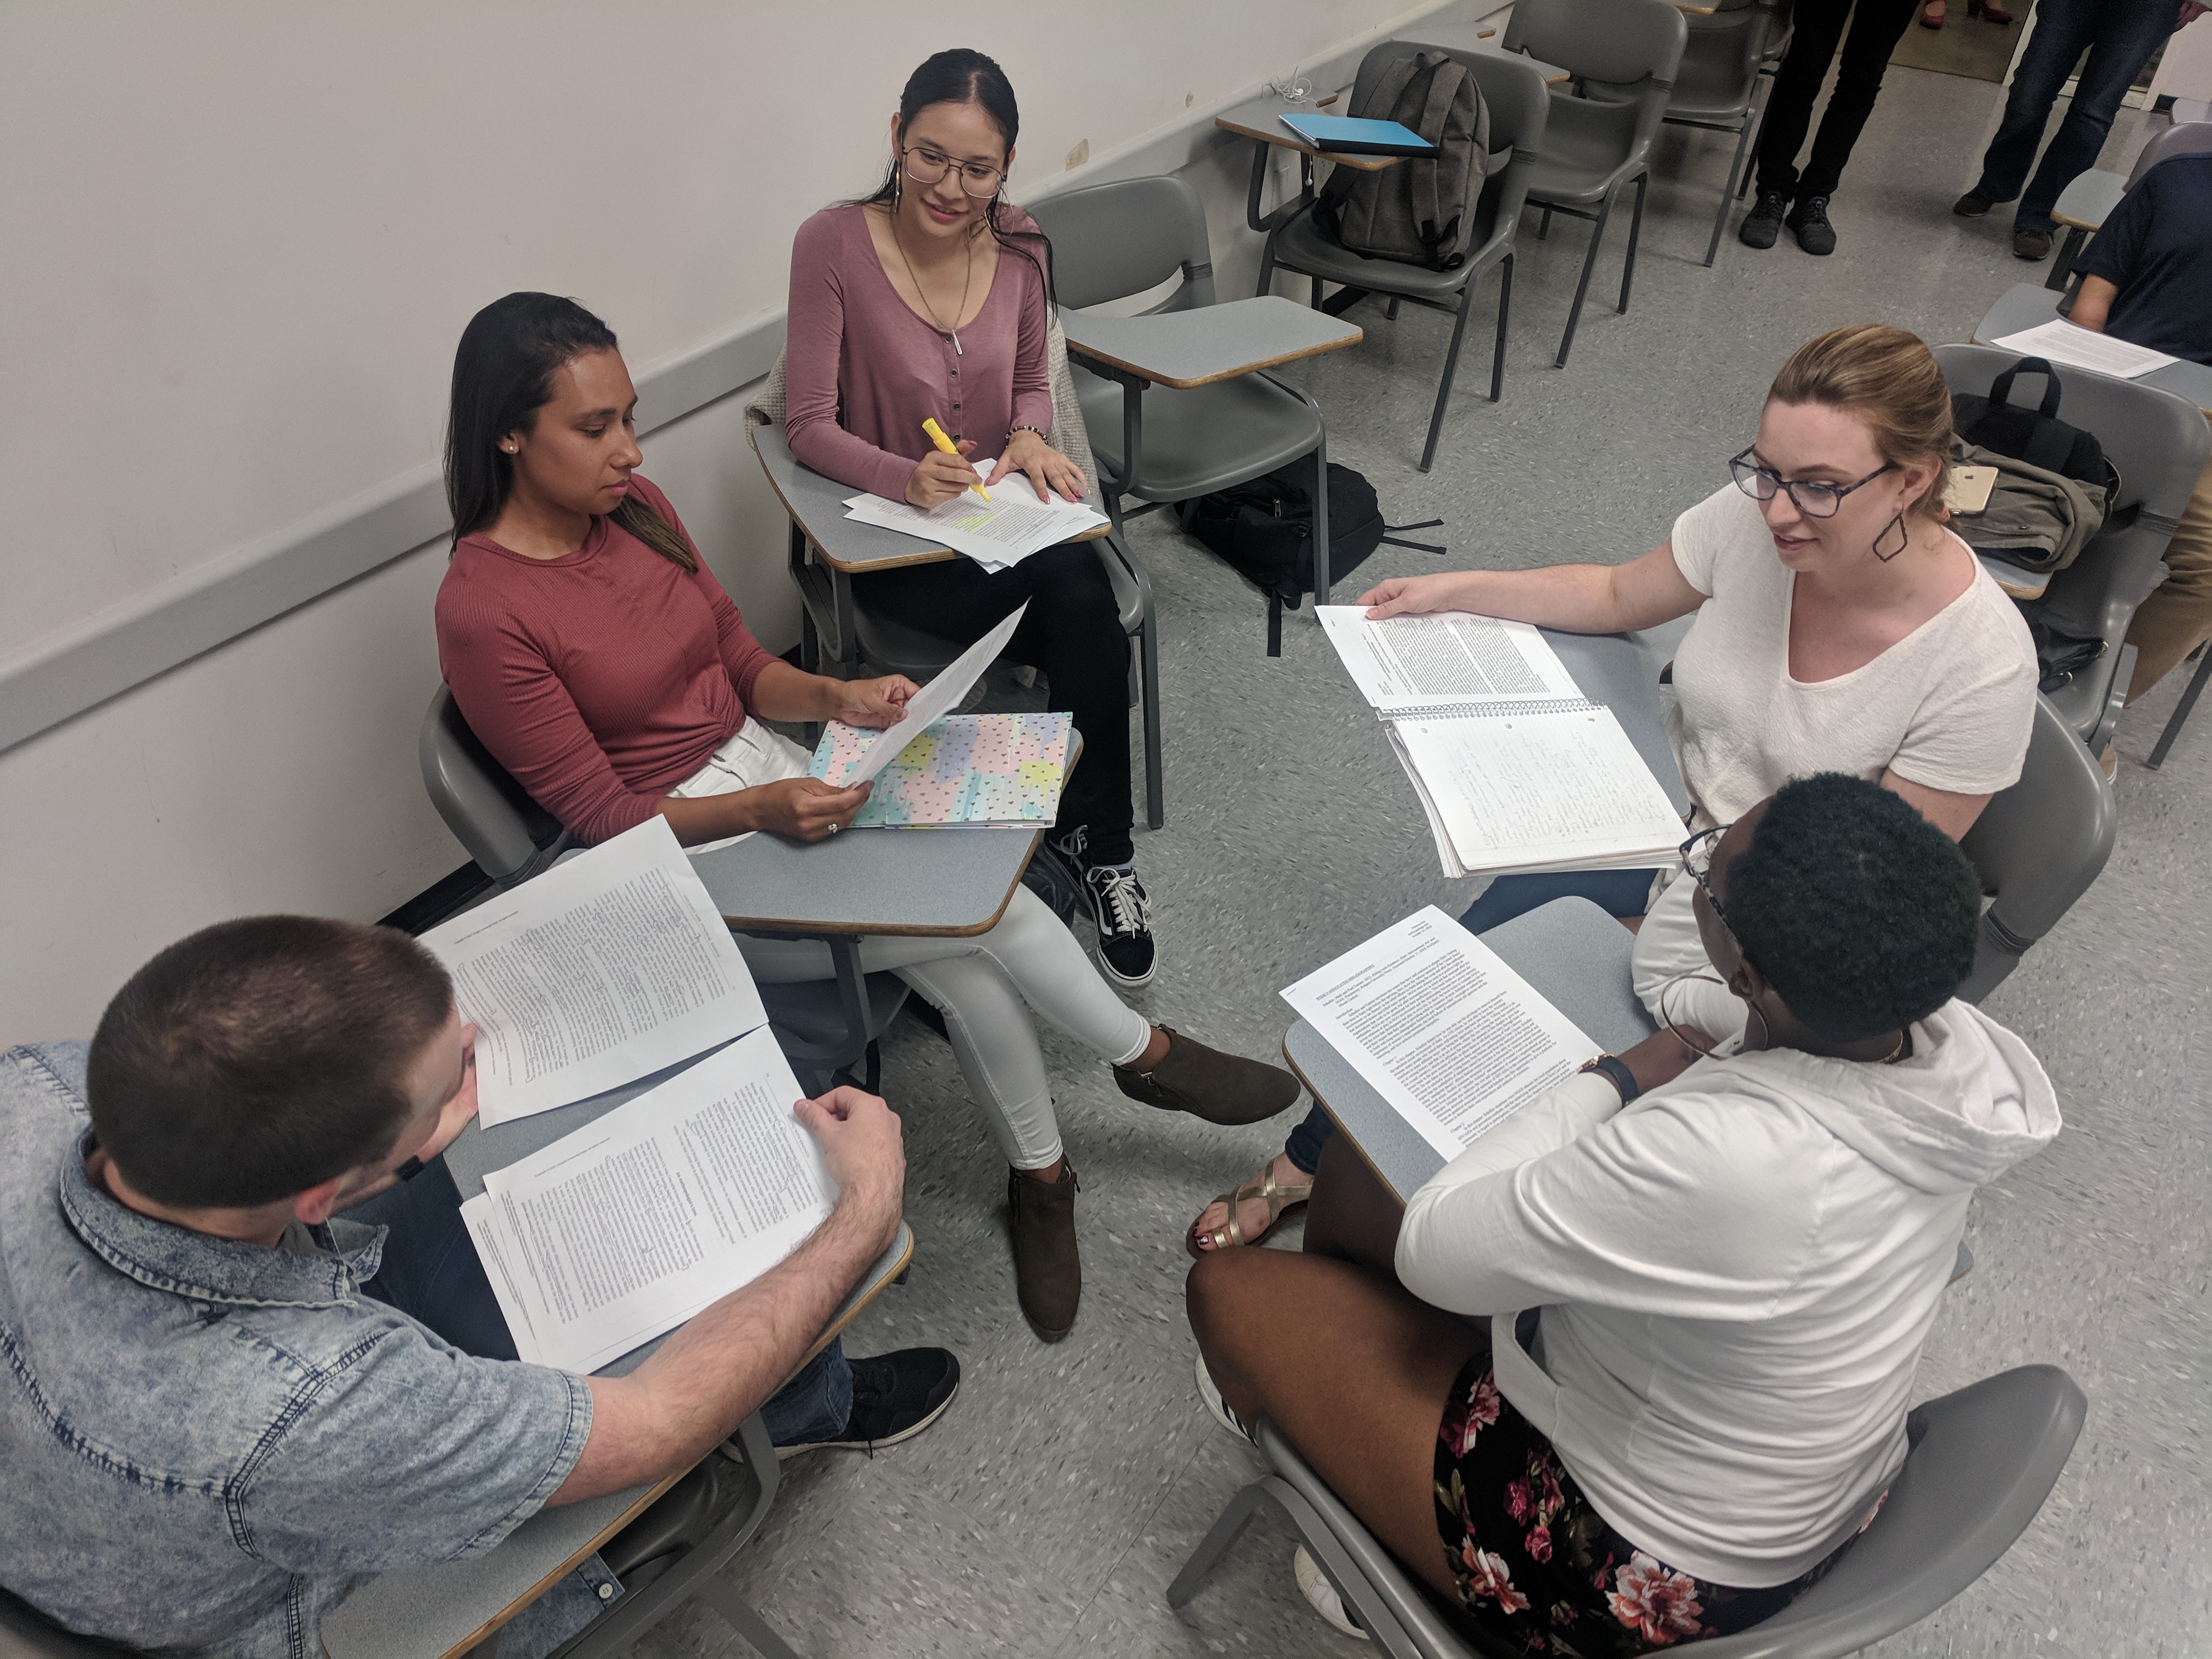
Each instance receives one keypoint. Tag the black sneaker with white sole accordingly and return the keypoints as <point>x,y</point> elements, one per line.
<point>1763,224</point>
<point>1809,219</point>
<point>1124,916</point>
<point>895,1397</point>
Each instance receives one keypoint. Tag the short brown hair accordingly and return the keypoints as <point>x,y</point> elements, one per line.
<point>1889,379</point>
<point>261,1056</point>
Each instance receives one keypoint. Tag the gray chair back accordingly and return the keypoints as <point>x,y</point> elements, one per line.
<point>1111,240</point>
<point>1621,51</point>
<point>1721,58</point>
<point>1982,1462</point>
<point>509,835</point>
<point>2159,443</point>
<point>2038,846</point>
<point>2184,138</point>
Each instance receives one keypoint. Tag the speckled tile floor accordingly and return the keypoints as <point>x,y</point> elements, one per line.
<point>1046,1514</point>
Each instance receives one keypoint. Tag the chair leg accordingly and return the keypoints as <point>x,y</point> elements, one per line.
<point>1635,232</point>
<point>1544,225</point>
<point>1743,183</point>
<point>1451,367</point>
<point>1148,654</point>
<point>1590,265</point>
<point>741,1618</point>
<point>2069,251</point>
<point>1728,190</point>
<point>1390,310</point>
<point>1320,521</point>
<point>1267,260</point>
<point>1216,1543</point>
<point>2176,720</point>
<point>1504,311</point>
<point>1114,511</point>
<point>1316,294</point>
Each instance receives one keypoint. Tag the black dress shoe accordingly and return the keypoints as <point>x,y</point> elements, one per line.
<point>2031,244</point>
<point>1764,223</point>
<point>1971,206</point>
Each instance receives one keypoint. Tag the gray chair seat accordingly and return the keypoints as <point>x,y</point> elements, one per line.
<point>1200,440</point>
<point>1583,158</point>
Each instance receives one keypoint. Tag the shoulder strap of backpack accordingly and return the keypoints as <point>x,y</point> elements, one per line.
<point>1382,97</point>
<point>1446,77</point>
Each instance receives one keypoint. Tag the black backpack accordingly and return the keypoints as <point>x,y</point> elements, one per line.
<point>2037,436</point>
<point>1264,529</point>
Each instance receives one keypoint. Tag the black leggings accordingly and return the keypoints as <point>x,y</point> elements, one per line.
<point>1073,634</point>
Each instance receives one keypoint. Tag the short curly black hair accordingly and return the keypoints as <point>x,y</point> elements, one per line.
<point>1860,913</point>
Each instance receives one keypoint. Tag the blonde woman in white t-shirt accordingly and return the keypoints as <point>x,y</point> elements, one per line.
<point>1840,628</point>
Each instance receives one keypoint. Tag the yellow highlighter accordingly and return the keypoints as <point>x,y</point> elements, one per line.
<point>937,436</point>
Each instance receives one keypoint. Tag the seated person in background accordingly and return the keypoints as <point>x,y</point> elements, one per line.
<point>1839,627</point>
<point>211,1434</point>
<point>1644,1362</point>
<point>2147,277</point>
<point>600,662</point>
<point>930,301</point>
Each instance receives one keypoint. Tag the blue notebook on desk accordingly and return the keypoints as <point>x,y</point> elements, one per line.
<point>1348,136</point>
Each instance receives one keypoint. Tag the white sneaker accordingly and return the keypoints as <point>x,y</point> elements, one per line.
<point>1322,1594</point>
<point>1216,1406</point>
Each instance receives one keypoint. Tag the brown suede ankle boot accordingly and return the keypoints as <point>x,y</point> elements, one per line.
<point>1208,1084</point>
<point>1047,1271</point>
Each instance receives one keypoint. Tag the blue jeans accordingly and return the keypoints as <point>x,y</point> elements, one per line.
<point>2120,36</point>
<point>1619,892</point>
<point>431,1274</point>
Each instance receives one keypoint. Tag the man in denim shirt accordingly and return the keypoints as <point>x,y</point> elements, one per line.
<point>211,1434</point>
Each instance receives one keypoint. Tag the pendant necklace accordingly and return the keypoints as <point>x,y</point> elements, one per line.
<point>951,334</point>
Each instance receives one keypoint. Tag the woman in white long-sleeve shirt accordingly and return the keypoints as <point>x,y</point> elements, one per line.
<point>1643,1365</point>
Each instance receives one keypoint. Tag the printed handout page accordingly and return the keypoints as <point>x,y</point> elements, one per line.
<point>1001,531</point>
<point>2084,348</point>
<point>940,696</point>
<point>621,1231</point>
<point>1403,664</point>
<point>1439,1026</point>
<point>605,968</point>
<point>1540,791</point>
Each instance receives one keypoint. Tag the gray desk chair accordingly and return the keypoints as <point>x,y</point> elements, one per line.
<point>836,613</point>
<point>1724,58</point>
<point>2038,846</point>
<point>1161,444</point>
<point>2159,443</point>
<point>1624,55</point>
<point>1982,1462</point>
<point>1519,102</point>
<point>823,1028</point>
<point>2083,206</point>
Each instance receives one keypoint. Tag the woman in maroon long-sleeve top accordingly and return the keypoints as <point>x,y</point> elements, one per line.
<point>928,300</point>
<point>603,664</point>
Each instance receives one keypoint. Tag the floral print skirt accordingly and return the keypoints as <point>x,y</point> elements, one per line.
<point>1538,1568</point>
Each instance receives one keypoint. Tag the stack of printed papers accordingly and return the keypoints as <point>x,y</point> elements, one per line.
<point>998,534</point>
<point>990,771</point>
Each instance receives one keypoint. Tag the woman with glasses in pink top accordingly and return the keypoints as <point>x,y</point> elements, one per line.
<point>929,301</point>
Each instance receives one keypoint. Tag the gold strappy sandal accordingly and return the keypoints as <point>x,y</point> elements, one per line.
<point>1279,1199</point>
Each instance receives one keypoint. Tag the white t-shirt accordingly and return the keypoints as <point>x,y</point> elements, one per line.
<point>1950,706</point>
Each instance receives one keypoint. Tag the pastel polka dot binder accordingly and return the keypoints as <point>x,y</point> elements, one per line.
<point>990,771</point>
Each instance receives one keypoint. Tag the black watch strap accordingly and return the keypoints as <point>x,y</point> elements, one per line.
<point>1616,1069</point>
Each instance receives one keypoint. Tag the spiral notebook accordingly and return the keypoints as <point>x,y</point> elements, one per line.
<point>1516,770</point>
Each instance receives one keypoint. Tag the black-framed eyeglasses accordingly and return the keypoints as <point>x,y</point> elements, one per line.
<point>1814,500</point>
<point>926,166</point>
<point>1697,856</point>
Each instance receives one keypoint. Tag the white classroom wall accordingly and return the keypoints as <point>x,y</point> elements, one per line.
<point>244,237</point>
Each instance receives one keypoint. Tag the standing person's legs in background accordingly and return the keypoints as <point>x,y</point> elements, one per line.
<point>1819,24</point>
<point>1247,1214</point>
<point>1876,26</point>
<point>2060,32</point>
<point>2177,618</point>
<point>2127,33</point>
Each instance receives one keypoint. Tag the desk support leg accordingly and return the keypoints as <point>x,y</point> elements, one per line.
<point>852,996</point>
<point>740,1617</point>
<point>2180,715</point>
<point>848,640</point>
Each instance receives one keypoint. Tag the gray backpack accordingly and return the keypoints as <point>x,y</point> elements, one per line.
<point>1421,211</point>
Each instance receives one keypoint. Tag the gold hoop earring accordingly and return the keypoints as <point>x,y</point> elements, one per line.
<point>1666,1019</point>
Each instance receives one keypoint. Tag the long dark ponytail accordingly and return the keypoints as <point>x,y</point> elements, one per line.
<point>963,76</point>
<point>503,373</point>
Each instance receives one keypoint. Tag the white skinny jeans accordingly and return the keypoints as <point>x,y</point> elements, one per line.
<point>979,984</point>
